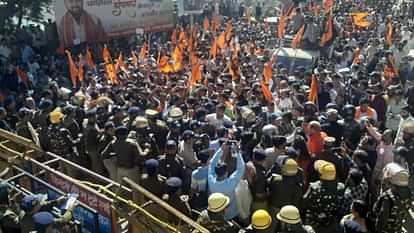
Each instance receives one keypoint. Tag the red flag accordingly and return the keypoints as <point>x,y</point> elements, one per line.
<point>298,37</point>
<point>266,93</point>
<point>313,94</point>
<point>23,76</point>
<point>73,71</point>
<point>328,34</point>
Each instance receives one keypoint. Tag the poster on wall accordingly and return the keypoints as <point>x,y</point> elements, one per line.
<point>80,21</point>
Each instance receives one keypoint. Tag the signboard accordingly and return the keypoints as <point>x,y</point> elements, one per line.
<point>100,222</point>
<point>81,21</point>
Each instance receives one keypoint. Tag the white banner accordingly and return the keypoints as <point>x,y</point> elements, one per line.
<point>81,21</point>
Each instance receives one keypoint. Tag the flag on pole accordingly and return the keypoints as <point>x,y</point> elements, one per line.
<point>267,71</point>
<point>359,19</point>
<point>73,70</point>
<point>328,34</point>
<point>143,51</point>
<point>206,24</point>
<point>221,40</point>
<point>313,94</point>
<point>106,55</point>
<point>177,58</point>
<point>195,71</point>
<point>298,37</point>
<point>327,5</point>
<point>266,93</point>
<point>281,27</point>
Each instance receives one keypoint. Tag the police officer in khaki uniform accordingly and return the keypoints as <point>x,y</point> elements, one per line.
<point>393,204</point>
<point>157,127</point>
<point>213,217</point>
<point>290,221</point>
<point>323,199</point>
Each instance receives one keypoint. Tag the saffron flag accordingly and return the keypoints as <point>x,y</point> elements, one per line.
<point>195,71</point>
<point>213,49</point>
<point>298,37</point>
<point>143,51</point>
<point>359,20</point>
<point>111,74</point>
<point>234,67</point>
<point>328,34</point>
<point>106,55</point>
<point>206,24</point>
<point>388,35</point>
<point>327,5</point>
<point>134,58</point>
<point>23,76</point>
<point>73,70</point>
<point>267,71</point>
<point>119,63</point>
<point>281,27</point>
<point>313,94</point>
<point>221,40</point>
<point>177,58</point>
<point>89,59</point>
<point>266,93</point>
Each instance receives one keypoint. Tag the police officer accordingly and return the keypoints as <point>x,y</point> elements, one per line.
<point>173,197</point>
<point>157,127</point>
<point>393,204</point>
<point>150,179</point>
<point>143,136</point>
<point>129,155</point>
<point>171,165</point>
<point>60,142</point>
<point>352,129</point>
<point>323,199</point>
<point>261,223</point>
<point>258,187</point>
<point>286,186</point>
<point>132,114</point>
<point>9,220</point>
<point>290,221</point>
<point>213,217</point>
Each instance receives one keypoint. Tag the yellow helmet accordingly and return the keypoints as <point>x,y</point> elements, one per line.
<point>261,220</point>
<point>217,202</point>
<point>55,117</point>
<point>290,167</point>
<point>326,170</point>
<point>289,214</point>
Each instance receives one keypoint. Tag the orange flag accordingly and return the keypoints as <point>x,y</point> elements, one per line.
<point>313,94</point>
<point>195,71</point>
<point>327,5</point>
<point>281,27</point>
<point>359,19</point>
<point>390,71</point>
<point>106,55</point>
<point>213,49</point>
<point>143,51</point>
<point>81,73</point>
<point>164,65</point>
<point>23,76</point>
<point>182,40</point>
<point>177,57</point>
<point>206,24</point>
<point>73,71</point>
<point>89,59</point>
<point>221,40</point>
<point>174,37</point>
<point>119,62</point>
<point>228,30</point>
<point>266,93</point>
<point>267,71</point>
<point>388,35</point>
<point>134,58</point>
<point>356,59</point>
<point>111,73</point>
<point>234,67</point>
<point>328,34</point>
<point>298,37</point>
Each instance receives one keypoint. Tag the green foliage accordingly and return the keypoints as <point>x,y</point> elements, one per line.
<point>13,11</point>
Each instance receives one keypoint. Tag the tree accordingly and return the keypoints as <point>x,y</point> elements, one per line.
<point>13,12</point>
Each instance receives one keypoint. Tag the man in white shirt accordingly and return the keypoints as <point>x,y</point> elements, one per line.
<point>218,119</point>
<point>406,118</point>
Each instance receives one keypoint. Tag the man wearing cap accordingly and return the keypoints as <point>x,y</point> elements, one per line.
<point>173,197</point>
<point>129,155</point>
<point>150,179</point>
<point>393,204</point>
<point>258,186</point>
<point>261,222</point>
<point>143,136</point>
<point>332,127</point>
<point>9,220</point>
<point>171,165</point>
<point>157,127</point>
<point>219,181</point>
<point>290,221</point>
<point>322,201</point>
<point>60,141</point>
<point>91,135</point>
<point>132,114</point>
<point>286,185</point>
<point>213,218</point>
<point>30,205</point>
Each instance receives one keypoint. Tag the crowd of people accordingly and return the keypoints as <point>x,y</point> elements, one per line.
<point>325,148</point>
